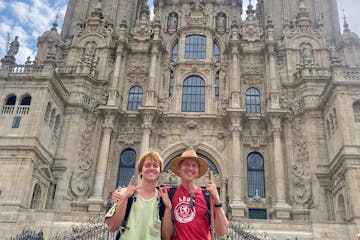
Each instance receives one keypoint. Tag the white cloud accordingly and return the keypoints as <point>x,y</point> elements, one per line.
<point>28,20</point>
<point>2,4</point>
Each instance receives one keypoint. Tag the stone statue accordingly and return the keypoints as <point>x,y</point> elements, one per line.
<point>173,21</point>
<point>307,53</point>
<point>13,48</point>
<point>220,20</point>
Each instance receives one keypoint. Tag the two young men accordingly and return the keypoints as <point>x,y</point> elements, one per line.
<point>189,205</point>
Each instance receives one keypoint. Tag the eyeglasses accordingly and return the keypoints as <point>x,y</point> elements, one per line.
<point>191,202</point>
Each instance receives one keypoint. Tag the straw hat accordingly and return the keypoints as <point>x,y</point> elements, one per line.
<point>189,153</point>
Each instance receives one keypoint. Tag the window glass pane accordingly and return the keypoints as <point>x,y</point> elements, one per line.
<point>195,47</point>
<point>253,101</point>
<point>135,98</point>
<point>26,101</point>
<point>257,213</point>
<point>216,52</point>
<point>174,52</point>
<point>16,122</point>
<point>126,167</point>
<point>11,100</point>
<point>256,177</point>
<point>193,95</point>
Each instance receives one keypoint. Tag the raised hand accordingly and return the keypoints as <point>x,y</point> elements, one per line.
<point>165,197</point>
<point>211,188</point>
<point>130,190</point>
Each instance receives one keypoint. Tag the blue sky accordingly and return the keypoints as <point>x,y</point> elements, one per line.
<point>28,19</point>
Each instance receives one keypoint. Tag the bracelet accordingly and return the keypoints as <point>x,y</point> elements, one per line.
<point>218,205</point>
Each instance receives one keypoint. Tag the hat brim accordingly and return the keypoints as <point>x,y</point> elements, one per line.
<point>203,165</point>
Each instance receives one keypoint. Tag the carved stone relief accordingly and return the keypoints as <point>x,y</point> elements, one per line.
<point>137,72</point>
<point>143,28</point>
<point>302,191</point>
<point>252,75</point>
<point>79,179</point>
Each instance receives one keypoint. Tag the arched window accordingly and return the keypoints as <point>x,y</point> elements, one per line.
<point>36,198</point>
<point>126,166</point>
<point>52,118</point>
<point>47,113</point>
<point>356,109</point>
<point>57,123</point>
<point>195,47</point>
<point>10,100</point>
<point>26,101</point>
<point>252,100</point>
<point>340,210</point>
<point>217,84</point>
<point>216,51</point>
<point>193,95</point>
<point>175,51</point>
<point>135,98</point>
<point>171,83</point>
<point>256,177</point>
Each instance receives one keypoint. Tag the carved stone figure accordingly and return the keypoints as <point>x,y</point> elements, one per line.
<point>173,21</point>
<point>307,52</point>
<point>13,48</point>
<point>220,20</point>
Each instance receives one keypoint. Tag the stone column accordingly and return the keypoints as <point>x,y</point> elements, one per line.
<point>113,94</point>
<point>145,142</point>
<point>150,93</point>
<point>236,203</point>
<point>282,208</point>
<point>97,202</point>
<point>274,93</point>
<point>235,83</point>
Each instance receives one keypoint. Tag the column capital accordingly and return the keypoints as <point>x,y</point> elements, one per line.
<point>108,122</point>
<point>276,122</point>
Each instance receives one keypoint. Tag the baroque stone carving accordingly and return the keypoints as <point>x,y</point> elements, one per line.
<point>252,75</point>
<point>303,193</point>
<point>137,72</point>
<point>143,28</point>
<point>79,184</point>
<point>251,30</point>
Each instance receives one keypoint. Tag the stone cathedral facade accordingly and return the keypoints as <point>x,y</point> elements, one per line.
<point>272,101</point>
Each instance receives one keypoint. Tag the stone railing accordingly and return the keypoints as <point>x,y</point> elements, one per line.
<point>352,74</point>
<point>98,231</point>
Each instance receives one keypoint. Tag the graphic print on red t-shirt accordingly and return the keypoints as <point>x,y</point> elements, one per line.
<point>190,222</point>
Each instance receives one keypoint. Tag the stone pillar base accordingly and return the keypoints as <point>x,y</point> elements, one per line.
<point>79,206</point>
<point>300,213</point>
<point>96,204</point>
<point>238,210</point>
<point>282,211</point>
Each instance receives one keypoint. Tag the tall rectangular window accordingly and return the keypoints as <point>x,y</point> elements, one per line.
<point>16,122</point>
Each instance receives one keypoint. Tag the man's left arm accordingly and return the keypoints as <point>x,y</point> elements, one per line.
<point>221,223</point>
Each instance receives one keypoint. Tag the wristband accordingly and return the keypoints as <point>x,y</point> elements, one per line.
<point>218,205</point>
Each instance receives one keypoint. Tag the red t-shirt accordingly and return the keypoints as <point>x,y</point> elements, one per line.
<point>190,223</point>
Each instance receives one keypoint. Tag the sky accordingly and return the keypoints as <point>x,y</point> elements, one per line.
<point>28,19</point>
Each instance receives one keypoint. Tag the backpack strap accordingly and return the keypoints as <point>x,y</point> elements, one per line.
<point>171,193</point>
<point>127,212</point>
<point>208,202</point>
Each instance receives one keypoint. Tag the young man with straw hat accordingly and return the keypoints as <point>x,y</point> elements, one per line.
<point>189,204</point>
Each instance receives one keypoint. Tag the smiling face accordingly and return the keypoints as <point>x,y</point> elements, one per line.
<point>150,170</point>
<point>188,169</point>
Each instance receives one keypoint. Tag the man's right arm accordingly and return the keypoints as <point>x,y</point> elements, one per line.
<point>115,216</point>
